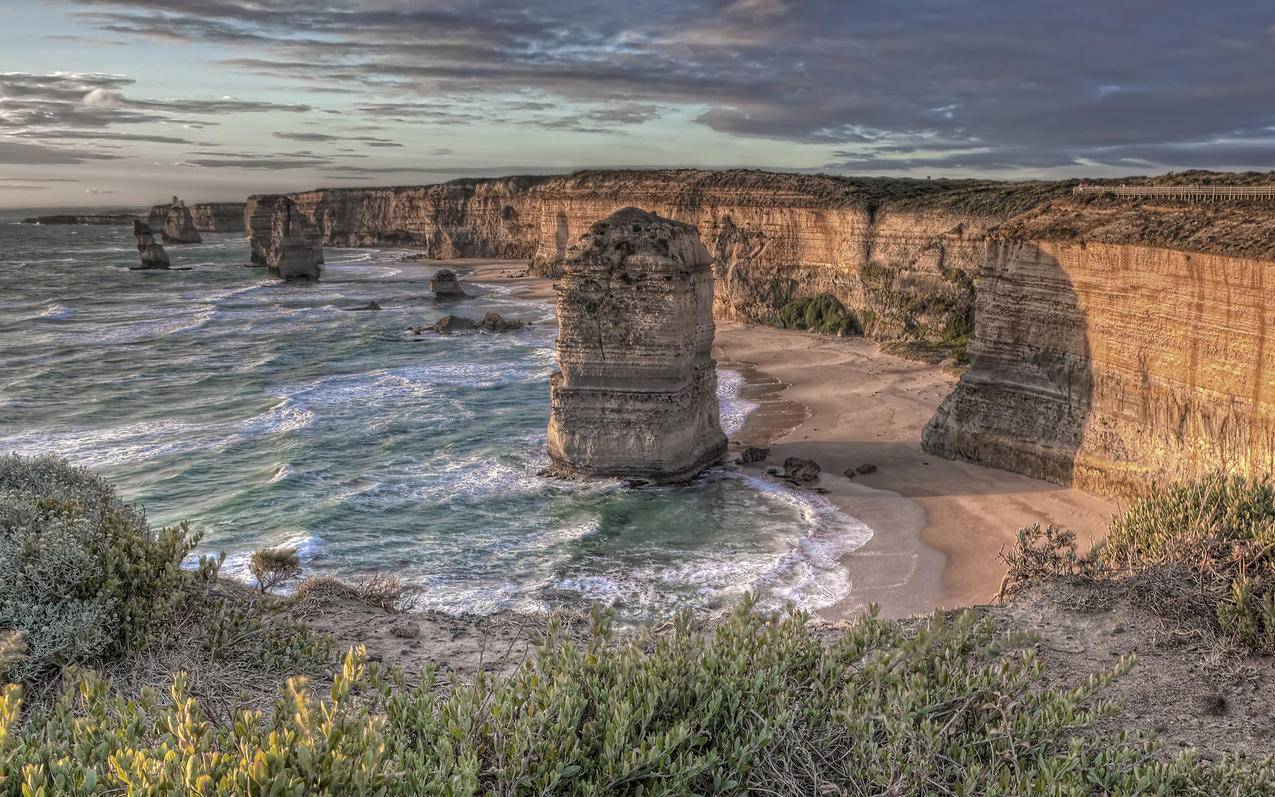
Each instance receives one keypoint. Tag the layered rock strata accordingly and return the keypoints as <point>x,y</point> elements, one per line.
<point>292,254</point>
<point>1113,367</point>
<point>179,226</point>
<point>151,252</point>
<point>636,396</point>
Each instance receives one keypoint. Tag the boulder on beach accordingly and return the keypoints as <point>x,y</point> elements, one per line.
<point>801,470</point>
<point>151,251</point>
<point>179,225</point>
<point>752,454</point>
<point>864,470</point>
<point>446,285</point>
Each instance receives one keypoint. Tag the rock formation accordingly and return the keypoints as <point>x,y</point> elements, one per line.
<point>207,216</point>
<point>445,285</point>
<point>291,254</point>
<point>904,257</point>
<point>152,253</point>
<point>179,226</point>
<point>259,213</point>
<point>1112,367</point>
<point>636,396</point>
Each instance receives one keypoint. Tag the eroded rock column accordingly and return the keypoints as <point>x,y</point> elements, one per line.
<point>179,225</point>
<point>151,252</point>
<point>291,254</point>
<point>636,396</point>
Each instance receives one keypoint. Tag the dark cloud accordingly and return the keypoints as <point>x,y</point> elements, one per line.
<point>370,141</point>
<point>22,152</point>
<point>1026,85</point>
<point>101,135</point>
<point>256,163</point>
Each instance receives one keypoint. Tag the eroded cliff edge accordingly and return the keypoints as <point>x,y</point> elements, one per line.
<point>1115,341</point>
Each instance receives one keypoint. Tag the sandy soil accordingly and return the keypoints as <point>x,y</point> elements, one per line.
<point>937,525</point>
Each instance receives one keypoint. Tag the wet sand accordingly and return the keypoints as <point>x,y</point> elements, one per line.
<point>938,525</point>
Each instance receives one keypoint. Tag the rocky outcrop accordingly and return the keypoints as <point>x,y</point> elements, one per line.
<point>445,285</point>
<point>636,396</point>
<point>151,252</point>
<point>206,216</point>
<point>259,213</point>
<point>88,218</point>
<point>291,254</point>
<point>1113,366</point>
<point>179,226</point>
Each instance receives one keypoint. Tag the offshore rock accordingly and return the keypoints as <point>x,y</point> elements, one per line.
<point>291,255</point>
<point>495,322</point>
<point>801,470</point>
<point>259,212</point>
<point>636,396</point>
<point>179,226</point>
<point>446,285</point>
<point>453,323</point>
<point>152,253</point>
<point>207,216</point>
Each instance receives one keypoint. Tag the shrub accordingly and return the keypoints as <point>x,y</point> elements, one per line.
<point>823,313</point>
<point>274,566</point>
<point>82,575</point>
<point>1197,550</point>
<point>379,591</point>
<point>761,705</point>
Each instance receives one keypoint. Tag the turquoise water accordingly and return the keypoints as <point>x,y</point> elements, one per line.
<point>267,415</point>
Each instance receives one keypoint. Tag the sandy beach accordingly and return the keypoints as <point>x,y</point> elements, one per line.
<point>937,525</point>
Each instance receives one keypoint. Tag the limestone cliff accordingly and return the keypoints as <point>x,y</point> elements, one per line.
<point>1113,366</point>
<point>636,396</point>
<point>206,216</point>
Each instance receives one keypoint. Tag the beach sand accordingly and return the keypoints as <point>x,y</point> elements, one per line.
<point>938,525</point>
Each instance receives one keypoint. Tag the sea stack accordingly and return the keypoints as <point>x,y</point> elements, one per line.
<point>636,396</point>
<point>152,253</point>
<point>291,254</point>
<point>179,225</point>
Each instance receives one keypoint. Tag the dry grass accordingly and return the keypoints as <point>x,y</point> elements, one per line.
<point>379,591</point>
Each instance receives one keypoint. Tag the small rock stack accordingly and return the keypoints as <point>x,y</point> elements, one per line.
<point>152,253</point>
<point>636,396</point>
<point>446,285</point>
<point>179,225</point>
<point>291,254</point>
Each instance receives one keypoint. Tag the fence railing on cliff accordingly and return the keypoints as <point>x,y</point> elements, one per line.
<point>1203,193</point>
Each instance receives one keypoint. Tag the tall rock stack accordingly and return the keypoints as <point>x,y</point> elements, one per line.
<point>152,253</point>
<point>636,396</point>
<point>291,254</point>
<point>179,225</point>
<point>258,216</point>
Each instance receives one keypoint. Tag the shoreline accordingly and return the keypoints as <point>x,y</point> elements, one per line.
<point>937,525</point>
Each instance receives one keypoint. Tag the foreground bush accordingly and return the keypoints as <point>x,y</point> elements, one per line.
<point>82,575</point>
<point>823,313</point>
<point>761,705</point>
<point>1201,550</point>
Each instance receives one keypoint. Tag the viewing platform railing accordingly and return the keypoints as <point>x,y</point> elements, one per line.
<point>1202,192</point>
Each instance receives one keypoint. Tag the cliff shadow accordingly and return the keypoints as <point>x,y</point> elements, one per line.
<point>1024,403</point>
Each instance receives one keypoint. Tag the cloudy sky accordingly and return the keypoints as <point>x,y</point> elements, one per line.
<point>118,103</point>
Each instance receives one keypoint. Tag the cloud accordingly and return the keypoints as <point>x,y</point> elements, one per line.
<point>21,152</point>
<point>1004,85</point>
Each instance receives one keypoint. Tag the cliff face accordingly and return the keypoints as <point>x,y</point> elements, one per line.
<point>207,216</point>
<point>636,396</point>
<point>1111,366</point>
<point>905,272</point>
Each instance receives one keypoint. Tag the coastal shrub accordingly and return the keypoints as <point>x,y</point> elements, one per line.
<point>274,566</point>
<point>823,313</point>
<point>1191,551</point>
<point>761,705</point>
<point>82,575</point>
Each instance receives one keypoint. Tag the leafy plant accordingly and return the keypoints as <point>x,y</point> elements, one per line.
<point>82,575</point>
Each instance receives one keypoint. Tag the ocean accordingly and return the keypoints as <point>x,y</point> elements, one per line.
<point>266,415</point>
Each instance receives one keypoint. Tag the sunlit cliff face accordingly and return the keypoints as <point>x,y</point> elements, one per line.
<point>116,102</point>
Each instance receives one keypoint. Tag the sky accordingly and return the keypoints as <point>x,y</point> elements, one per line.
<point>107,103</point>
